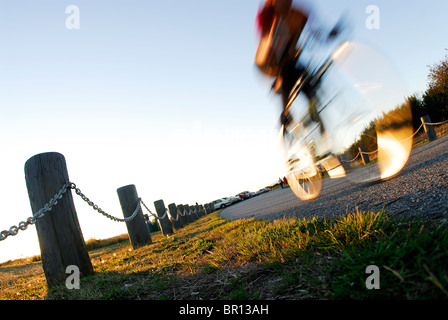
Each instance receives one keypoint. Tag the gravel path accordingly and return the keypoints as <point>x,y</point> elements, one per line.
<point>420,189</point>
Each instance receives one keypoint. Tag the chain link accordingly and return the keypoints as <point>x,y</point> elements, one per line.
<point>95,206</point>
<point>23,225</point>
<point>348,161</point>
<point>154,215</point>
<point>150,212</point>
<point>416,131</point>
<point>436,123</point>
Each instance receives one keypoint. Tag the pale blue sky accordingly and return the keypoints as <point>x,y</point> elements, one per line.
<point>161,94</point>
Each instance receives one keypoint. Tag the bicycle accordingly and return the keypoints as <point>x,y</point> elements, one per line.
<point>356,101</point>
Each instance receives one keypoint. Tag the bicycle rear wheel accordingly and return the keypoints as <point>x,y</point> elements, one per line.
<point>380,133</point>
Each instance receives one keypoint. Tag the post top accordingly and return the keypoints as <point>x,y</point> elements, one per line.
<point>125,187</point>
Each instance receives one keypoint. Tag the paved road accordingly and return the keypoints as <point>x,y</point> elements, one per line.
<point>421,188</point>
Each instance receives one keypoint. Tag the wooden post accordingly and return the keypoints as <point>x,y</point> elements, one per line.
<point>364,157</point>
<point>429,129</point>
<point>60,238</point>
<point>343,159</point>
<point>198,211</point>
<point>137,229</point>
<point>177,222</point>
<point>165,223</point>
<point>183,218</point>
<point>201,210</point>
<point>193,213</point>
<point>189,213</point>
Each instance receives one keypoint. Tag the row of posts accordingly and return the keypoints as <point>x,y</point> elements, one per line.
<point>60,238</point>
<point>139,228</point>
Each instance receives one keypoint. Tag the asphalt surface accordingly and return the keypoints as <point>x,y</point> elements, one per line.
<point>420,189</point>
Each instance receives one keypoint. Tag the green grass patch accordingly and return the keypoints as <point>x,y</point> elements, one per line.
<point>213,258</point>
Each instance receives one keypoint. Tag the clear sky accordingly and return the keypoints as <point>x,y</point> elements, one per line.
<point>163,95</point>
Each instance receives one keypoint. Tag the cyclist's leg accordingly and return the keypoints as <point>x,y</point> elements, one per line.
<point>314,114</point>
<point>290,73</point>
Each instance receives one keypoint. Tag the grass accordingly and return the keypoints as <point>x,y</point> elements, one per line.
<point>213,258</point>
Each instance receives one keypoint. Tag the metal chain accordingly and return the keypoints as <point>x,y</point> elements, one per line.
<point>154,215</point>
<point>437,123</point>
<point>348,161</point>
<point>177,215</point>
<point>23,225</point>
<point>150,212</point>
<point>95,207</point>
<point>168,214</point>
<point>416,131</point>
<point>371,152</point>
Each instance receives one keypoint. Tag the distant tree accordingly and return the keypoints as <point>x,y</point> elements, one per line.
<point>435,98</point>
<point>418,109</point>
<point>438,77</point>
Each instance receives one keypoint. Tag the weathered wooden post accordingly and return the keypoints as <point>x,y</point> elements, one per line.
<point>193,212</point>
<point>165,222</point>
<point>186,218</point>
<point>137,229</point>
<point>198,211</point>
<point>177,221</point>
<point>344,161</point>
<point>364,156</point>
<point>60,238</point>
<point>189,213</point>
<point>429,129</point>
<point>183,218</point>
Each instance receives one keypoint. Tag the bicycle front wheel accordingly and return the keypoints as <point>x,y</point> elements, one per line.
<point>303,175</point>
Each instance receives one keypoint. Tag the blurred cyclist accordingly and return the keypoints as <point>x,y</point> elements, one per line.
<point>280,24</point>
